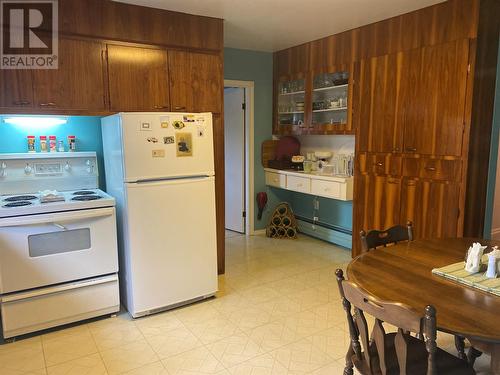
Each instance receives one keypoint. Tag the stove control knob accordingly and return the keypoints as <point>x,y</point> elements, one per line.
<point>87,163</point>
<point>3,169</point>
<point>67,167</point>
<point>28,169</point>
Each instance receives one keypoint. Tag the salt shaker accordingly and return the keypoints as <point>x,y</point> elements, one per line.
<point>493,256</point>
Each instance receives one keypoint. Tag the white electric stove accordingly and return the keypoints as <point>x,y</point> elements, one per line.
<point>58,258</point>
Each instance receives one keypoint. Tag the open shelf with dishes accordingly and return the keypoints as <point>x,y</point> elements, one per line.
<point>317,102</point>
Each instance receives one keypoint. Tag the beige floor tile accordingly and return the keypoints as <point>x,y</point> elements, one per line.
<point>310,298</point>
<point>265,364</point>
<point>332,313</point>
<point>89,365</point>
<point>196,361</point>
<point>260,294</point>
<point>22,357</point>
<point>333,341</point>
<point>301,357</point>
<point>128,357</point>
<point>113,332</point>
<point>306,323</point>
<point>335,367</point>
<point>235,349</point>
<point>176,341</point>
<point>250,318</point>
<point>197,313</point>
<point>230,303</point>
<point>280,307</point>
<point>68,344</point>
<point>213,329</point>
<point>156,368</point>
<point>274,335</point>
<point>158,324</point>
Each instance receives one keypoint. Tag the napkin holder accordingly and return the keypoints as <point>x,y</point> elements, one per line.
<point>473,260</point>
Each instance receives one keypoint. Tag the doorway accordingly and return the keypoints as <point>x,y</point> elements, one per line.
<point>238,155</point>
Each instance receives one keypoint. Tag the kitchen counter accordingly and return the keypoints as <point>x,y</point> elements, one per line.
<point>313,183</point>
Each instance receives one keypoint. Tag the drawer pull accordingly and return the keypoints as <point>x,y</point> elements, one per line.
<point>179,108</point>
<point>430,169</point>
<point>411,149</point>
<point>379,164</point>
<point>396,149</point>
<point>21,102</point>
<point>49,104</point>
<point>393,182</point>
<point>160,107</point>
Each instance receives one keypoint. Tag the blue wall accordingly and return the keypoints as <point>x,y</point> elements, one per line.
<point>87,130</point>
<point>257,66</point>
<point>493,156</point>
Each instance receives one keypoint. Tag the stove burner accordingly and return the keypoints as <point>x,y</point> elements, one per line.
<point>18,198</point>
<point>86,198</point>
<point>84,192</point>
<point>17,204</point>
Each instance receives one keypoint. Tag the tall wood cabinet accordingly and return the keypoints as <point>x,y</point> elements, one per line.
<point>421,107</point>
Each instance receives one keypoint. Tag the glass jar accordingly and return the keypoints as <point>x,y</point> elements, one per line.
<point>31,143</point>
<point>52,143</point>
<point>43,143</point>
<point>71,143</point>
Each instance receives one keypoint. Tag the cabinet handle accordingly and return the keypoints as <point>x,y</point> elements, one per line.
<point>430,169</point>
<point>21,102</point>
<point>178,107</point>
<point>49,104</point>
<point>396,149</point>
<point>393,182</point>
<point>411,149</point>
<point>160,107</point>
<point>379,164</point>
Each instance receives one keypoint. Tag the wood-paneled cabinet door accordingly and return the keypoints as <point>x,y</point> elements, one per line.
<point>378,202</point>
<point>77,83</point>
<point>138,79</point>
<point>16,88</point>
<point>432,206</point>
<point>434,121</point>
<point>196,82</point>
<point>381,86</point>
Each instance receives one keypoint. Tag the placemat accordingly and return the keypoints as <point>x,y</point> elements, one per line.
<point>457,272</point>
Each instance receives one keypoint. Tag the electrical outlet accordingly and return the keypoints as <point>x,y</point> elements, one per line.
<point>316,204</point>
<point>315,218</point>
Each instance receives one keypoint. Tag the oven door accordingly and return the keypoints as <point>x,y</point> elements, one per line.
<point>47,249</point>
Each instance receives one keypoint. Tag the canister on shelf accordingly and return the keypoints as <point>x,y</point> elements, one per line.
<point>60,146</point>
<point>52,143</point>
<point>71,143</point>
<point>31,143</point>
<point>43,143</point>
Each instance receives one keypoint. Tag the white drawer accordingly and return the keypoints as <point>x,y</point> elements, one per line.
<point>43,308</point>
<point>276,179</point>
<point>300,184</point>
<point>329,189</point>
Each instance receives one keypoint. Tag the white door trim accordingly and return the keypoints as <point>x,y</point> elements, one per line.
<point>249,157</point>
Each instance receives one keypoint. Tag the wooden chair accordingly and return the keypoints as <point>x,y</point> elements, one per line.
<point>393,353</point>
<point>393,235</point>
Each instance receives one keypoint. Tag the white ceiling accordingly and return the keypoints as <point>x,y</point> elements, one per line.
<point>271,25</point>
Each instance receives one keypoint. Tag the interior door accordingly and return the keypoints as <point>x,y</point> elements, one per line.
<point>171,242</point>
<point>195,81</point>
<point>138,79</point>
<point>234,154</point>
<point>78,83</point>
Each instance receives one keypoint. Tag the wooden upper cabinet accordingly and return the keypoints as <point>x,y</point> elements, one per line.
<point>78,83</point>
<point>16,88</point>
<point>138,79</point>
<point>196,82</point>
<point>381,86</point>
<point>435,105</point>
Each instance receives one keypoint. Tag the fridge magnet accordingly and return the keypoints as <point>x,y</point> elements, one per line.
<point>189,118</point>
<point>201,132</point>
<point>168,140</point>
<point>164,122</point>
<point>184,144</point>
<point>178,125</point>
<point>152,140</point>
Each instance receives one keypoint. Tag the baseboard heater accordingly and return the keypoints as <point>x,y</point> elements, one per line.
<point>324,231</point>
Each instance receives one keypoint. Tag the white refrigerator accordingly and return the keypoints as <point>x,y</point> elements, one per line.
<point>160,169</point>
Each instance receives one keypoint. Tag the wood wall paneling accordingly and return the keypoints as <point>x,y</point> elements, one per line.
<point>195,81</point>
<point>218,126</point>
<point>138,79</point>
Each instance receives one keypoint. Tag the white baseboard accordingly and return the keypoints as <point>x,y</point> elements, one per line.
<point>258,232</point>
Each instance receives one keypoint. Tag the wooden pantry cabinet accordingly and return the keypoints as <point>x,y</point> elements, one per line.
<point>420,103</point>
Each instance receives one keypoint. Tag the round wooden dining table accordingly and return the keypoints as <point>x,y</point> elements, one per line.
<point>403,273</point>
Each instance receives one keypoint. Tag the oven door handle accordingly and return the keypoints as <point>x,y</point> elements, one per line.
<point>60,226</point>
<point>56,218</point>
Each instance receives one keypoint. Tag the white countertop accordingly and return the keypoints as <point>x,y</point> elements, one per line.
<point>315,175</point>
